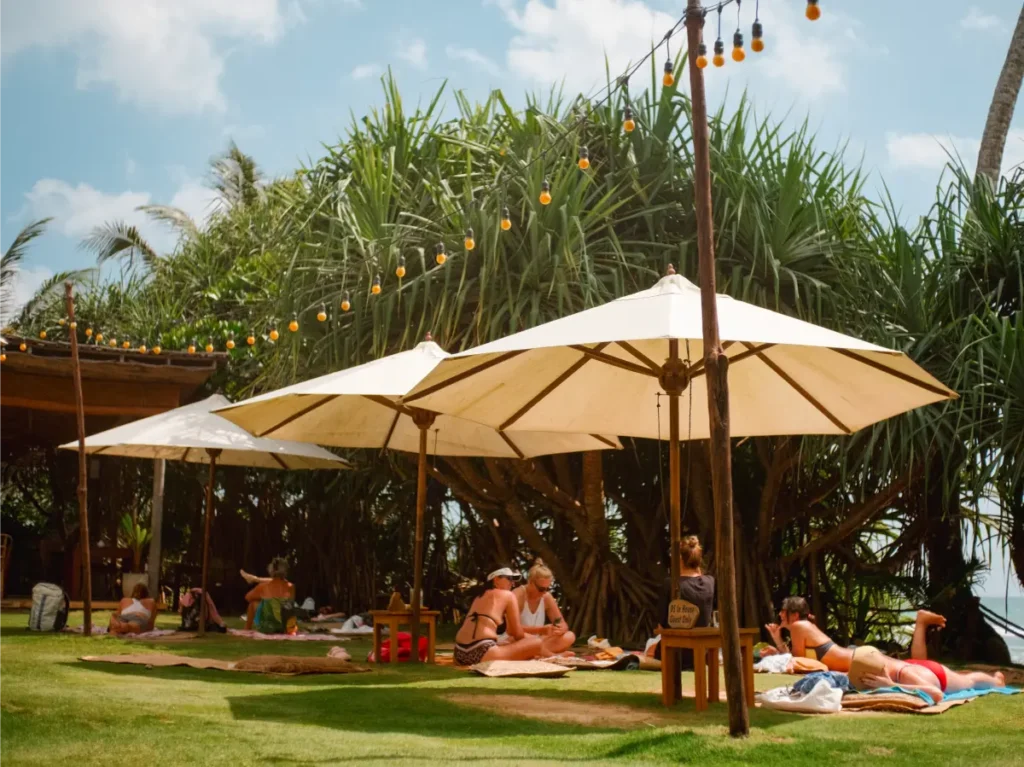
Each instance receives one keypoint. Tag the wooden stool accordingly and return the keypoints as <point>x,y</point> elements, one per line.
<point>393,621</point>
<point>705,643</point>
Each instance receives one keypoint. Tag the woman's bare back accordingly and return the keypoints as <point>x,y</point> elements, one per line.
<point>485,615</point>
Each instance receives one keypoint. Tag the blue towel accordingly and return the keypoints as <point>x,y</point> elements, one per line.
<point>896,688</point>
<point>972,693</point>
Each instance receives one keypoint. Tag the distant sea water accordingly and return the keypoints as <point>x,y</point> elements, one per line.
<point>1013,610</point>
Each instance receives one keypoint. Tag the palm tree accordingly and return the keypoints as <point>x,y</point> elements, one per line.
<point>1000,112</point>
<point>12,259</point>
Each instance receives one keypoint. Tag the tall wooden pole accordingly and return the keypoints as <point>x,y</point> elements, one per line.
<point>156,524</point>
<point>674,521</point>
<point>213,453</point>
<point>717,366</point>
<point>423,419</point>
<point>83,474</point>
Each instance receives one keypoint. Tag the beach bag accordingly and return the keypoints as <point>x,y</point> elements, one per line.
<point>276,616</point>
<point>50,605</point>
<point>404,649</point>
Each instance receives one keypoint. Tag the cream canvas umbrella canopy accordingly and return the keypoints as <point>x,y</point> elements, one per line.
<point>195,434</point>
<point>362,407</point>
<point>603,369</point>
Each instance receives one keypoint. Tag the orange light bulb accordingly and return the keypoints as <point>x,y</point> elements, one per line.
<point>209,346</point>
<point>88,332</point>
<point>192,347</point>
<point>545,193</point>
<point>126,344</point>
<point>702,56</point>
<point>584,162</point>
<point>669,79</point>
<point>813,12</point>
<point>99,338</point>
<point>470,241</point>
<point>628,123</point>
<point>157,349</point>
<point>273,334</point>
<point>345,303</point>
<point>506,219</point>
<point>293,326</point>
<point>375,288</point>
<point>250,339</point>
<point>23,347</point>
<point>321,316</point>
<point>400,269</point>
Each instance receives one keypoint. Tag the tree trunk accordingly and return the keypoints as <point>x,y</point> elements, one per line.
<point>1000,112</point>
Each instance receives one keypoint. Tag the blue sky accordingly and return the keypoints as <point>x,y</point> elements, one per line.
<point>111,104</point>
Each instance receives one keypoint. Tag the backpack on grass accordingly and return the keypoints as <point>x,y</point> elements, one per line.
<point>50,606</point>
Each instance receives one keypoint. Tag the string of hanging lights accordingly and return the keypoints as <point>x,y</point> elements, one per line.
<point>575,130</point>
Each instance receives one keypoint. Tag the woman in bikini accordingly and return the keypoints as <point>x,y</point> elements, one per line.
<point>537,607</point>
<point>871,669</point>
<point>806,639</point>
<point>136,614</point>
<point>477,639</point>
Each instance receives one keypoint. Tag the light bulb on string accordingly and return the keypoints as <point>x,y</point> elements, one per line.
<point>756,37</point>
<point>23,347</point>
<point>584,162</point>
<point>813,12</point>
<point>3,357</point>
<point>62,322</point>
<point>293,326</point>
<point>273,335</point>
<point>719,57</point>
<point>669,78</point>
<point>142,348</point>
<point>157,348</point>
<point>230,343</point>
<point>545,192</point>
<point>346,304</point>
<point>375,287</point>
<point>702,55</point>
<point>191,347</point>
<point>506,219</point>
<point>400,269</point>
<point>737,47</point>
<point>73,325</point>
<point>440,256</point>
<point>42,335</point>
<point>251,338</point>
<point>88,332</point>
<point>126,344</point>
<point>99,338</point>
<point>469,241</point>
<point>628,123</point>
<point>112,343</point>
<point>209,346</point>
<point>321,316</point>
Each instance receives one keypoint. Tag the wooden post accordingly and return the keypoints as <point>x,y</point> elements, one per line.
<point>156,522</point>
<point>674,521</point>
<point>423,419</point>
<point>83,474</point>
<point>213,453</point>
<point>717,366</point>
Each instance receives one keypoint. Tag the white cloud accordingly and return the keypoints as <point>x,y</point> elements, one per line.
<point>365,70</point>
<point>931,151</point>
<point>415,52</point>
<point>976,20</point>
<point>26,282</point>
<point>76,210</point>
<point>158,54</point>
<point>570,40</point>
<point>472,56</point>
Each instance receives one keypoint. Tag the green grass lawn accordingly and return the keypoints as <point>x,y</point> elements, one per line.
<point>56,709</point>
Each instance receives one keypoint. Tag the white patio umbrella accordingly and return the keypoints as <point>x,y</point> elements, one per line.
<point>362,407</point>
<point>603,369</point>
<point>195,434</point>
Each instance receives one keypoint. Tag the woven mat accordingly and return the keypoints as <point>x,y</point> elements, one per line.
<point>519,668</point>
<point>896,702</point>
<point>284,665</point>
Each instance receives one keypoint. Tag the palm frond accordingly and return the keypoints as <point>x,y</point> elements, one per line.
<point>117,239</point>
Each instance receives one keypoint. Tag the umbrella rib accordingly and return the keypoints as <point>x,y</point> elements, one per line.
<point>751,352</point>
<point>280,462</point>
<point>465,374</point>
<point>798,388</point>
<point>184,456</point>
<point>607,359</point>
<point>559,380</point>
<point>640,356</point>
<point>697,368</point>
<point>296,416</point>
<point>605,441</point>
<point>390,404</point>
<point>391,429</point>
<point>895,373</point>
<point>512,445</point>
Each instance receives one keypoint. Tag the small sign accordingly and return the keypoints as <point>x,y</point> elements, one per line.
<point>682,614</point>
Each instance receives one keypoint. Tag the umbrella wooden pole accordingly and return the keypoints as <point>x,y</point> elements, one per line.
<point>674,521</point>
<point>423,420</point>
<point>206,536</point>
<point>83,474</point>
<point>716,365</point>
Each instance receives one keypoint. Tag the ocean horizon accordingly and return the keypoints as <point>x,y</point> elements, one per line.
<point>1012,609</point>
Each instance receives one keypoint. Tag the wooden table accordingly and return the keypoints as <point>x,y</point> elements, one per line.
<point>705,643</point>
<point>392,620</point>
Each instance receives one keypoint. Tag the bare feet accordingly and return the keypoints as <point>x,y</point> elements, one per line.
<point>248,577</point>
<point>1000,679</point>
<point>931,619</point>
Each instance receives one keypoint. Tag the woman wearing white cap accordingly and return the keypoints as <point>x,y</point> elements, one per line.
<point>477,640</point>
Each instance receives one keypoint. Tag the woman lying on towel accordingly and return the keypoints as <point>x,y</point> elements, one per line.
<point>806,639</point>
<point>277,588</point>
<point>136,614</point>
<point>539,613</point>
<point>477,639</point>
<point>870,669</point>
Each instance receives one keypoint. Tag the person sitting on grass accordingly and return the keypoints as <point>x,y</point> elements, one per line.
<point>135,614</point>
<point>806,639</point>
<point>268,597</point>
<point>477,639</point>
<point>870,669</point>
<point>537,607</point>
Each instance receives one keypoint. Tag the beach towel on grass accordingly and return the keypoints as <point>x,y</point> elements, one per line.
<point>164,634</point>
<point>282,665</point>
<point>900,700</point>
<point>250,634</point>
<point>519,668</point>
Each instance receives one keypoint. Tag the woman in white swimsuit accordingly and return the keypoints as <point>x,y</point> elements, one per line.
<point>539,613</point>
<point>477,639</point>
<point>136,614</point>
